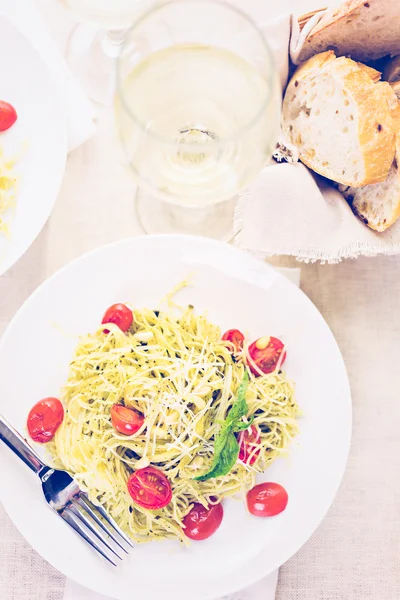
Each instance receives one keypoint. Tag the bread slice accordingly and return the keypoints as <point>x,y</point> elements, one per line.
<point>378,206</point>
<point>340,120</point>
<point>363,29</point>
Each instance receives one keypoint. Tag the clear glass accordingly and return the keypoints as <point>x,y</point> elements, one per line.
<point>197,113</point>
<point>96,41</point>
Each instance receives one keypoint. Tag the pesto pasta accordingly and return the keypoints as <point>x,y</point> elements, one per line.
<point>174,369</point>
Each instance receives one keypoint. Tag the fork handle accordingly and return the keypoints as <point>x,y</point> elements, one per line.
<point>19,446</point>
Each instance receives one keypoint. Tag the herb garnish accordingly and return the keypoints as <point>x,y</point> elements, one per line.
<point>226,446</point>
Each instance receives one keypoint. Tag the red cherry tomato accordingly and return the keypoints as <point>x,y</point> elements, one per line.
<point>44,419</point>
<point>266,353</point>
<point>119,314</point>
<point>248,439</point>
<point>267,499</point>
<point>201,523</point>
<point>236,337</point>
<point>149,488</point>
<point>126,420</point>
<point>8,115</point>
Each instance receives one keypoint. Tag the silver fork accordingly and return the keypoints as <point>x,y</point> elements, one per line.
<point>66,499</point>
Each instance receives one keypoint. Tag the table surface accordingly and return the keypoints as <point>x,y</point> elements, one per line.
<point>355,553</point>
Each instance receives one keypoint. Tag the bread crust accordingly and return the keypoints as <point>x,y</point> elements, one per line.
<point>372,73</point>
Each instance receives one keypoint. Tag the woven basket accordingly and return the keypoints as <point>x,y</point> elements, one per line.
<point>305,18</point>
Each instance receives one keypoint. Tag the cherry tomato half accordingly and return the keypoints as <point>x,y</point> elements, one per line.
<point>265,353</point>
<point>150,488</point>
<point>201,523</point>
<point>44,419</point>
<point>248,439</point>
<point>120,315</point>
<point>8,115</point>
<point>126,420</point>
<point>267,499</point>
<point>236,337</point>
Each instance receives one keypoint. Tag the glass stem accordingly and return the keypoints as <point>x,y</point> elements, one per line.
<point>112,42</point>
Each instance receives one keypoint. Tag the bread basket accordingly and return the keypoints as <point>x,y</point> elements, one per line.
<point>315,217</point>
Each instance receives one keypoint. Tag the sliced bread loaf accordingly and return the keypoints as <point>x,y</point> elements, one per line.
<point>365,30</point>
<point>340,120</point>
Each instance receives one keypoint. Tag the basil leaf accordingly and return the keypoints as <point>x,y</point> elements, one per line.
<point>242,426</point>
<point>226,459</point>
<point>226,447</point>
<point>239,408</point>
<point>219,445</point>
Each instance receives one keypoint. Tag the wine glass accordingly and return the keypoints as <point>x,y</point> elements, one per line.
<point>197,113</point>
<point>96,41</point>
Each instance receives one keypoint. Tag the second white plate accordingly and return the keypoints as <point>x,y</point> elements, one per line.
<point>38,138</point>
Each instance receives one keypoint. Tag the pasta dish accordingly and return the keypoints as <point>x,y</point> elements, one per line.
<point>163,417</point>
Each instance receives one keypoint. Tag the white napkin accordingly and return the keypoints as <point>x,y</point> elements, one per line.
<point>289,211</point>
<point>263,590</point>
<point>25,15</point>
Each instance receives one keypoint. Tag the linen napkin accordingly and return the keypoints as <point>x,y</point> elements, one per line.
<point>288,210</point>
<point>262,590</point>
<point>79,112</point>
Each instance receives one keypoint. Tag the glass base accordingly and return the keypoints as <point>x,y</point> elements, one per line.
<point>91,56</point>
<point>156,216</point>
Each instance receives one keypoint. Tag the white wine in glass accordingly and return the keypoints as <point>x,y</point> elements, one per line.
<point>197,111</point>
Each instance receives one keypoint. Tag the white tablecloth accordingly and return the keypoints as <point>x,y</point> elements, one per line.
<point>355,554</point>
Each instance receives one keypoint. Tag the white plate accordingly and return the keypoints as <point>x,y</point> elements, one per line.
<point>38,136</point>
<point>237,291</point>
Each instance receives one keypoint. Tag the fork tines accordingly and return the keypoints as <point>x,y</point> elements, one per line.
<point>96,527</point>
